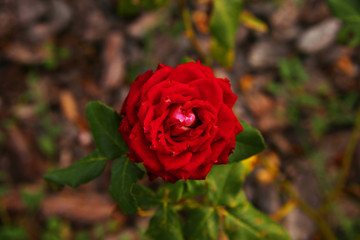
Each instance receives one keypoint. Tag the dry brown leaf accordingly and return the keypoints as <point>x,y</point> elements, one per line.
<point>69,106</point>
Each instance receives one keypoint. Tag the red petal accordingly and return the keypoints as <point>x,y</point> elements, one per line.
<point>138,143</point>
<point>174,162</point>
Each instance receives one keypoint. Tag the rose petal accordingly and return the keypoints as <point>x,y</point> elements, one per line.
<point>132,101</point>
<point>209,91</point>
<point>138,143</point>
<point>171,162</point>
<point>229,98</point>
<point>180,174</point>
<point>198,158</point>
<point>158,76</point>
<point>167,176</point>
<point>186,73</point>
<point>219,148</point>
<point>227,123</point>
<point>201,172</point>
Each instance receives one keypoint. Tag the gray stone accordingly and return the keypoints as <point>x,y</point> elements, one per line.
<point>30,10</point>
<point>286,16</point>
<point>319,36</point>
<point>266,54</point>
<point>61,15</point>
<point>299,225</point>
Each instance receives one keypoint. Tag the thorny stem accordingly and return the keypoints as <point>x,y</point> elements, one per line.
<point>313,214</point>
<point>190,33</point>
<point>344,171</point>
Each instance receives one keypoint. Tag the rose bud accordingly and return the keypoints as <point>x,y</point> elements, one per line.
<point>178,121</point>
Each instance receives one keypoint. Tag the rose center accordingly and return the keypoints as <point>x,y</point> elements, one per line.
<point>181,120</point>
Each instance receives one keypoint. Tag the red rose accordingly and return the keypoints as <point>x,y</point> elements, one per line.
<point>178,121</point>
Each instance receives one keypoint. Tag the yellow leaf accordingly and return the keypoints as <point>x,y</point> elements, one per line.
<point>252,22</point>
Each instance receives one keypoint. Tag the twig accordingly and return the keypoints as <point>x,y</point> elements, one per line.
<point>190,33</point>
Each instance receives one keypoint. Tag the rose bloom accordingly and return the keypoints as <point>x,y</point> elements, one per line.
<point>178,121</point>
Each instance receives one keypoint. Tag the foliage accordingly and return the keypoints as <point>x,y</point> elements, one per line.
<point>347,11</point>
<point>82,171</point>
<point>223,28</point>
<point>103,121</point>
<point>248,143</point>
<point>10,232</point>
<point>325,110</point>
<point>56,229</point>
<point>32,199</point>
<point>55,55</point>
<point>124,175</point>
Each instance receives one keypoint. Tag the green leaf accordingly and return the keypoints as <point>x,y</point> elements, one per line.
<point>46,145</point>
<point>309,100</point>
<point>194,188</point>
<point>350,34</point>
<point>145,197</point>
<point>82,171</point>
<point>225,56</point>
<point>202,224</point>
<point>10,232</point>
<point>349,12</point>
<point>32,199</point>
<point>248,143</point>
<point>223,26</point>
<point>104,123</point>
<point>244,222</point>
<point>224,21</point>
<point>346,10</point>
<point>165,224</point>
<point>225,184</point>
<point>124,174</point>
<point>275,88</point>
<point>293,73</point>
<point>186,59</point>
<point>128,8</point>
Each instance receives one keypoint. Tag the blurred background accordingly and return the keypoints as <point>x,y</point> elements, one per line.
<point>294,65</point>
